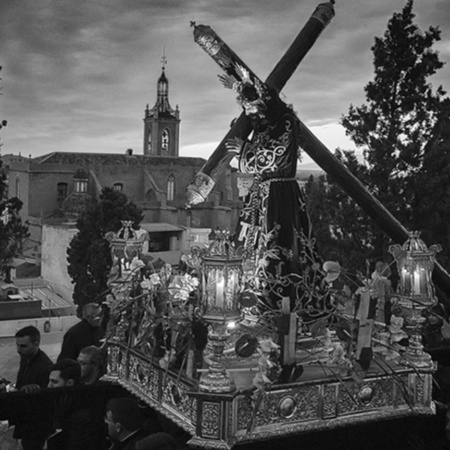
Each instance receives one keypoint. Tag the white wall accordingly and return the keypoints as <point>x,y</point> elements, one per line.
<point>55,241</point>
<point>195,237</point>
<point>9,328</point>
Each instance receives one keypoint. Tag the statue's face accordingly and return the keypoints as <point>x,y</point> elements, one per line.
<point>255,109</point>
<point>250,99</point>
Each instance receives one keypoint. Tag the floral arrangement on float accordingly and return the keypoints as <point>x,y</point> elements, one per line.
<point>166,313</point>
<point>152,305</point>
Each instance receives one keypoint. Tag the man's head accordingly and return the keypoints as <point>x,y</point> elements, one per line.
<point>66,372</point>
<point>91,360</point>
<point>123,417</point>
<point>27,342</point>
<point>92,314</point>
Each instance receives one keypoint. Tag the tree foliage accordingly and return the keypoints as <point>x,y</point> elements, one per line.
<point>397,123</point>
<point>395,130</point>
<point>431,205</point>
<point>3,122</point>
<point>89,254</point>
<point>12,230</point>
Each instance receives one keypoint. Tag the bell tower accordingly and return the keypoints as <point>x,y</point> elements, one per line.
<point>162,122</point>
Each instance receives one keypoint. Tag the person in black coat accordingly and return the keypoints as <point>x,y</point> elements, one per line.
<point>125,423</point>
<point>78,418</point>
<point>83,334</point>
<point>34,369</point>
<point>92,362</point>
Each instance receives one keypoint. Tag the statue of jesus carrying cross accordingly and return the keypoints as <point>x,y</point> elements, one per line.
<point>280,261</point>
<point>241,128</point>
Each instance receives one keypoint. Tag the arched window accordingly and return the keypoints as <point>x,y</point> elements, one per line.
<point>165,140</point>
<point>118,187</point>
<point>170,188</point>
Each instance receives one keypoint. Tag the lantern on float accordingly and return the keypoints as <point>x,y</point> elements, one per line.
<point>221,277</point>
<point>415,263</point>
<point>126,245</point>
<point>126,248</point>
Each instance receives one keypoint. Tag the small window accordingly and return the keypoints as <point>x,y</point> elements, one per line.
<point>18,187</point>
<point>118,187</point>
<point>170,188</point>
<point>61,192</point>
<point>149,141</point>
<point>165,140</point>
<point>81,186</point>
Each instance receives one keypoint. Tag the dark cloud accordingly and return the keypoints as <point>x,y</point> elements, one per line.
<point>78,75</point>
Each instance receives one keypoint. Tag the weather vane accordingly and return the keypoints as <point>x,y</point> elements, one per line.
<point>163,58</point>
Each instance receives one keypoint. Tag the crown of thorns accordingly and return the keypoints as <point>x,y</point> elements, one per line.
<point>251,91</point>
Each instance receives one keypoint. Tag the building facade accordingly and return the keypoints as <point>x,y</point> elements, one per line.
<point>55,187</point>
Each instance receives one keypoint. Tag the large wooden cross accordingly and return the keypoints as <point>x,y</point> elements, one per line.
<point>241,128</point>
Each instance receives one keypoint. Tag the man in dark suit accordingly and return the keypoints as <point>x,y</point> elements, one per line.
<point>33,374</point>
<point>79,421</point>
<point>125,423</point>
<point>86,332</point>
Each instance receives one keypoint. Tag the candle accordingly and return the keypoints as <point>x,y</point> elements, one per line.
<point>220,291</point>
<point>417,282</point>
<point>406,281</point>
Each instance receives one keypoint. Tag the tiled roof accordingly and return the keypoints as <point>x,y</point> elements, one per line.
<point>114,158</point>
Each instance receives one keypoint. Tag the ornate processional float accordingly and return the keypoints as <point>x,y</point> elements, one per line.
<point>233,351</point>
<point>192,345</point>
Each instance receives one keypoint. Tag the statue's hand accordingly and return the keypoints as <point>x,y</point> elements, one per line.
<point>234,145</point>
<point>199,189</point>
<point>227,80</point>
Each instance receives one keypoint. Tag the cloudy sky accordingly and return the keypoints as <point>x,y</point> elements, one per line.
<point>77,75</point>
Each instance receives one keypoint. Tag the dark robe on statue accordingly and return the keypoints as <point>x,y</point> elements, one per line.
<point>274,226</point>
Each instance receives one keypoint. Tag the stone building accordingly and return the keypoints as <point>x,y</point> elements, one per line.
<point>56,186</point>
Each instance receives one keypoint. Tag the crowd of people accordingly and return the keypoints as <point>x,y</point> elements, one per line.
<point>74,420</point>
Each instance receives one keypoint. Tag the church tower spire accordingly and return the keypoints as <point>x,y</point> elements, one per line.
<point>162,122</point>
